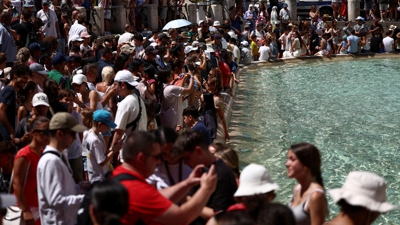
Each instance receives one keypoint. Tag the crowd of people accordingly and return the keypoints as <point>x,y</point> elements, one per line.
<point>278,36</point>
<point>124,130</point>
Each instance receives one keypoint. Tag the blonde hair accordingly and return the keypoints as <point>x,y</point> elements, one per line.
<point>107,74</point>
<point>230,158</point>
<point>87,116</point>
<point>23,55</point>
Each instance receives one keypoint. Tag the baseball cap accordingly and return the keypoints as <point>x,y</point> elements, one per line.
<point>79,79</point>
<point>125,76</point>
<point>7,200</point>
<point>76,38</point>
<point>189,49</point>
<point>151,49</point>
<point>37,68</point>
<point>105,117</point>
<point>65,121</point>
<point>244,43</point>
<point>44,2</point>
<point>34,46</point>
<point>58,59</point>
<point>216,23</point>
<point>40,99</point>
<point>85,35</point>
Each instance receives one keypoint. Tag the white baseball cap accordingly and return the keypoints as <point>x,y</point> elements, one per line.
<point>76,38</point>
<point>125,76</point>
<point>40,99</point>
<point>79,79</point>
<point>189,49</point>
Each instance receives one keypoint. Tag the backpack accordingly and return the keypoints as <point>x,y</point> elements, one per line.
<point>31,36</point>
<point>133,124</point>
<point>83,212</point>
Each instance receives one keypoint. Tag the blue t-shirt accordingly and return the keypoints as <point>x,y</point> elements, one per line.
<point>8,97</point>
<point>353,48</point>
<point>200,127</point>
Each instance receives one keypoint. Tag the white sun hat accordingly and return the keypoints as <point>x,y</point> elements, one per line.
<point>253,180</point>
<point>364,189</point>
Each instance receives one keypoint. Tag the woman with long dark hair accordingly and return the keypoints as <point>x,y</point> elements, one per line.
<point>309,204</point>
<point>121,62</point>
<point>208,114</point>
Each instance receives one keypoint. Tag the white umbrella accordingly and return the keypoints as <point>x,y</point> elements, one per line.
<point>177,24</point>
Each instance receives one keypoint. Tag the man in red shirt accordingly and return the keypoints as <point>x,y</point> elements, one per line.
<point>141,155</point>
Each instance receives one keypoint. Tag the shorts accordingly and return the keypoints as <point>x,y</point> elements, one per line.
<point>107,14</point>
<point>383,7</point>
<point>77,168</point>
<point>163,13</point>
<point>393,3</point>
<point>368,5</point>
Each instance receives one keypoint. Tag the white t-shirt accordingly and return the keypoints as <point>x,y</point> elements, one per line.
<point>284,14</point>
<point>128,110</point>
<point>96,150</point>
<point>76,28</point>
<point>388,43</point>
<point>264,53</point>
<point>171,106</point>
<point>48,18</point>
<point>75,150</point>
<point>125,38</point>
<point>160,178</point>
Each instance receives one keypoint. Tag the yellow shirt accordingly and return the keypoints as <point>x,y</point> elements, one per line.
<point>254,48</point>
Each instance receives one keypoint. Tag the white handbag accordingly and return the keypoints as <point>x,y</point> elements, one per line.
<point>14,213</point>
<point>13,216</point>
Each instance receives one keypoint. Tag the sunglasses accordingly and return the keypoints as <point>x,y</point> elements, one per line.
<point>44,132</point>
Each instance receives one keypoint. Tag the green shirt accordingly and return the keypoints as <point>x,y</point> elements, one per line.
<point>56,75</point>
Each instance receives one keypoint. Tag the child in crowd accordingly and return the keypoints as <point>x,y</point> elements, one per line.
<point>254,47</point>
<point>98,156</point>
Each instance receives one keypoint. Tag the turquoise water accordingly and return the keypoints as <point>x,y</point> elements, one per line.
<point>350,110</point>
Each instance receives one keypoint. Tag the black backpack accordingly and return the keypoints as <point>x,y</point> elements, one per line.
<point>83,212</point>
<point>31,36</point>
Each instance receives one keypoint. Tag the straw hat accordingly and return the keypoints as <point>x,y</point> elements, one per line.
<point>364,189</point>
<point>326,16</point>
<point>392,27</point>
<point>255,179</point>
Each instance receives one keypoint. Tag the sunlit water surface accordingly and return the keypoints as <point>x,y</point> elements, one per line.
<point>348,109</point>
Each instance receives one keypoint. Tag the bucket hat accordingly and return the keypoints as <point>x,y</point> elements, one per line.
<point>255,179</point>
<point>364,189</point>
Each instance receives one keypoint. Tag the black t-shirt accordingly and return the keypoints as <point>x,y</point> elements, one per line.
<point>8,97</point>
<point>375,41</point>
<point>23,32</point>
<point>222,197</point>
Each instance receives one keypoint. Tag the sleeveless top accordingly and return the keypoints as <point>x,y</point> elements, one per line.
<point>301,216</point>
